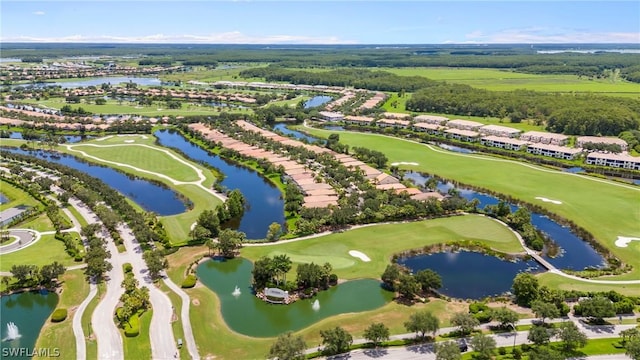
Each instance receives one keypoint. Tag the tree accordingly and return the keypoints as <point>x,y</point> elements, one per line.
<point>155,262</point>
<point>544,310</point>
<point>50,272</point>
<point>281,264</point>
<point>506,317</point>
<point>630,334</point>
<point>429,280</point>
<point>465,322</point>
<point>632,348</point>
<point>448,350</point>
<point>572,338</point>
<point>483,345</point>
<point>263,272</point>
<point>391,275</point>
<point>336,341</point>
<point>408,286</point>
<point>545,353</point>
<point>229,241</point>
<point>525,288</point>
<point>422,322</point>
<point>23,272</point>
<point>211,245</point>
<point>376,333</point>
<point>540,335</point>
<point>199,233</point>
<point>274,232</point>
<point>209,220</point>
<point>597,308</point>
<point>288,347</point>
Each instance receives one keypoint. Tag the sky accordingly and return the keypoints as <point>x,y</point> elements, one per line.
<point>320,21</point>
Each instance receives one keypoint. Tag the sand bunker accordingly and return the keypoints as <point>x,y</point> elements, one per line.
<point>359,255</point>
<point>129,141</point>
<point>404,163</point>
<point>549,200</point>
<point>623,241</point>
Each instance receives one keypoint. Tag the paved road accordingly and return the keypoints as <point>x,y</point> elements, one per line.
<point>186,321</point>
<point>78,332</point>
<point>425,351</point>
<point>163,343</point>
<point>25,237</point>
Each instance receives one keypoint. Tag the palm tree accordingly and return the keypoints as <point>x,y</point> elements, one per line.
<point>282,265</point>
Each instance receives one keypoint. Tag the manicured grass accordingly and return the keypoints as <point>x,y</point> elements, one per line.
<point>77,215</point>
<point>609,210</point>
<point>505,80</point>
<point>176,325</point>
<point>379,242</point>
<point>16,196</point>
<point>92,344</point>
<point>43,252</point>
<point>559,282</point>
<point>400,107</point>
<point>38,223</point>
<point>74,289</point>
<point>114,107</point>
<point>139,347</point>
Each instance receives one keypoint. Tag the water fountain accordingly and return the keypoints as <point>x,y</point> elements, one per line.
<point>12,332</point>
<point>316,305</point>
<point>236,292</point>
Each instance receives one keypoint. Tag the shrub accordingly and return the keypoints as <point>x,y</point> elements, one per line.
<point>128,268</point>
<point>333,279</point>
<point>189,281</point>
<point>502,351</point>
<point>477,307</point>
<point>517,353</point>
<point>59,315</point>
<point>132,327</point>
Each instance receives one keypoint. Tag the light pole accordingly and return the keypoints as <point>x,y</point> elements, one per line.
<point>515,335</point>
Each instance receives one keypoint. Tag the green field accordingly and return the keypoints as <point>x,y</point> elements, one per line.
<point>116,107</point>
<point>379,242</point>
<point>16,196</point>
<point>139,347</point>
<point>505,80</point>
<point>156,165</point>
<point>609,210</point>
<point>74,289</point>
<point>559,282</point>
<point>45,251</point>
<point>400,107</point>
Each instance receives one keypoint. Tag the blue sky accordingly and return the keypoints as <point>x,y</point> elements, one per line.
<point>321,22</point>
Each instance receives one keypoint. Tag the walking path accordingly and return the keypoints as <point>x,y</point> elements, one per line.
<point>163,344</point>
<point>426,351</point>
<point>198,183</point>
<point>186,321</point>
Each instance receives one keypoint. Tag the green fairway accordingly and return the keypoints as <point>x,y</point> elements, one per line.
<point>116,107</point>
<point>607,209</point>
<point>505,80</point>
<point>157,163</point>
<point>559,282</point>
<point>379,242</point>
<point>74,289</point>
<point>16,196</point>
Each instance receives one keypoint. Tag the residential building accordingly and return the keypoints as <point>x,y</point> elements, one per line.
<point>560,152</point>
<point>498,130</point>
<point>462,135</point>
<point>427,127</point>
<point>544,138</point>
<point>464,124</point>
<point>581,140</point>
<point>393,123</point>
<point>431,119</point>
<point>358,120</point>
<point>331,116</point>
<point>624,161</point>
<point>503,142</point>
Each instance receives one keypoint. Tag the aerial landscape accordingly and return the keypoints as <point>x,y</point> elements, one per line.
<point>320,179</point>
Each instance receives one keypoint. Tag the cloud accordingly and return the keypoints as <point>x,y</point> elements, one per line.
<point>551,35</point>
<point>39,13</point>
<point>232,37</point>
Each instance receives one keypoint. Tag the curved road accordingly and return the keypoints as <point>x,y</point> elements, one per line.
<point>186,321</point>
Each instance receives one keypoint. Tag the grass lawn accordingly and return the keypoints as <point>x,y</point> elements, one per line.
<point>379,242</point>
<point>560,282</point>
<point>400,107</point>
<point>92,344</point>
<point>610,209</point>
<point>74,289</point>
<point>77,215</point>
<point>16,196</point>
<point>139,347</point>
<point>43,252</point>
<point>505,80</point>
<point>115,107</point>
<point>155,159</point>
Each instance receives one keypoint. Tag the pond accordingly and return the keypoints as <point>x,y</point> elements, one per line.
<point>317,101</point>
<point>456,148</point>
<point>248,315</point>
<point>70,138</point>
<point>149,196</point>
<point>265,203</point>
<point>28,312</point>
<point>3,198</point>
<point>470,275</point>
<point>576,254</point>
<point>113,80</point>
<point>296,134</point>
